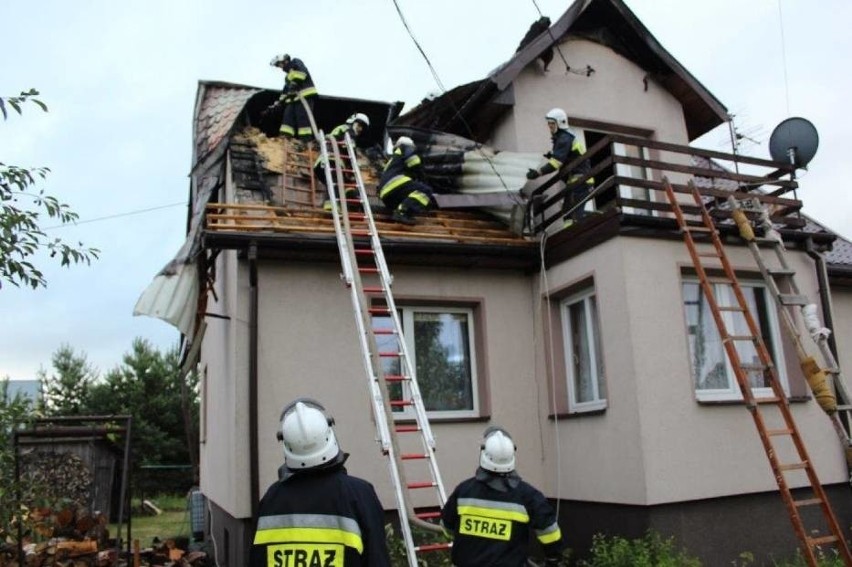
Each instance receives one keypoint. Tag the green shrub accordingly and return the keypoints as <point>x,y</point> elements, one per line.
<point>650,551</point>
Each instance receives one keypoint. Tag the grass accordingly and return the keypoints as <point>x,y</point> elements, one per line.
<point>172,523</point>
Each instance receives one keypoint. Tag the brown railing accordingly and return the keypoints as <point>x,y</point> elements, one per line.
<point>628,173</point>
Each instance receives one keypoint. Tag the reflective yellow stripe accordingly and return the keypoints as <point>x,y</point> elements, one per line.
<point>555,163</point>
<point>578,147</point>
<point>305,131</point>
<point>549,534</point>
<point>589,181</point>
<point>286,129</point>
<point>413,161</point>
<point>420,197</point>
<point>296,75</point>
<point>394,183</point>
<point>309,535</point>
<point>310,91</point>
<point>513,515</point>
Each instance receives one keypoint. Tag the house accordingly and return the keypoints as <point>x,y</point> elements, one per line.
<point>587,343</point>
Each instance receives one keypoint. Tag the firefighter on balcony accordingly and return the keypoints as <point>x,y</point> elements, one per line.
<point>491,515</point>
<point>297,83</point>
<point>566,148</point>
<point>355,125</point>
<point>316,514</point>
<point>400,188</point>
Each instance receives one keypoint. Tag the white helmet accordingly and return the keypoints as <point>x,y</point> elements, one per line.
<point>558,115</point>
<point>497,452</point>
<point>360,117</point>
<point>306,432</point>
<point>279,59</point>
<point>403,141</point>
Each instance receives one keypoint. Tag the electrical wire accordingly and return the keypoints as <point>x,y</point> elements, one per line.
<point>457,113</point>
<point>588,71</point>
<point>115,216</point>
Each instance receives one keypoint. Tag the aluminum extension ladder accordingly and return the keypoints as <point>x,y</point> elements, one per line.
<point>409,448</point>
<point>787,301</point>
<point>703,242</point>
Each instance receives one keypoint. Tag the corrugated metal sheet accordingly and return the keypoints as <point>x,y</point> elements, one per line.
<point>172,298</point>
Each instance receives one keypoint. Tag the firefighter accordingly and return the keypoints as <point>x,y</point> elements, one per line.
<point>297,83</point>
<point>316,514</point>
<point>400,188</point>
<point>566,148</point>
<point>490,516</point>
<point>355,125</point>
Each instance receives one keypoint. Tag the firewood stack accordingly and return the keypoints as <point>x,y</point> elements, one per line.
<point>59,476</point>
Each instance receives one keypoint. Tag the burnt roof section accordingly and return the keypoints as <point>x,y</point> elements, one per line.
<point>608,22</point>
<point>217,106</point>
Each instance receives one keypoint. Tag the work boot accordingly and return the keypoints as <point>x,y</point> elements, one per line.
<point>402,217</point>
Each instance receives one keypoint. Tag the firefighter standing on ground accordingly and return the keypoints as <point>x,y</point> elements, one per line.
<point>316,514</point>
<point>355,125</point>
<point>400,188</point>
<point>566,148</point>
<point>297,83</point>
<point>491,515</point>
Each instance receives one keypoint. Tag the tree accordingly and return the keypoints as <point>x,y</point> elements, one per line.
<point>66,392</point>
<point>23,207</point>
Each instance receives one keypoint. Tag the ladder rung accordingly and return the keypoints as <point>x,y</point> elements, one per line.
<point>360,232</point>
<point>379,311</point>
<point>731,308</point>
<point>395,378</point>
<point>793,466</point>
<point>777,432</point>
<point>698,229</point>
<point>369,270</point>
<point>364,251</point>
<point>754,367</point>
<point>401,403</point>
<point>407,428</point>
<point>781,272</point>
<point>390,354</point>
<point>719,280</point>
<point>373,289</point>
<point>428,515</point>
<point>808,502</point>
<point>767,400</point>
<point>821,540</point>
<point>384,332</point>
<point>791,299</point>
<point>432,547</point>
<point>413,456</point>
<point>421,484</point>
<point>741,338</point>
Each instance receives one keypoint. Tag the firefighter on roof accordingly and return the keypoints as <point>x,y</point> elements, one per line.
<point>400,188</point>
<point>566,148</point>
<point>316,514</point>
<point>297,83</point>
<point>355,125</point>
<point>491,515</point>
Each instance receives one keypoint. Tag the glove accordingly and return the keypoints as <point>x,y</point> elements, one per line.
<point>533,173</point>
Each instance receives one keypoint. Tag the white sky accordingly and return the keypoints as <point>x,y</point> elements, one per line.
<point>120,80</point>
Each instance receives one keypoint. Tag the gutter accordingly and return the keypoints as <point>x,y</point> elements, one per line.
<point>824,293</point>
<point>252,376</point>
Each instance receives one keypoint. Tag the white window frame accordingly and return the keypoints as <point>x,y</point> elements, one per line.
<point>600,401</point>
<point>776,351</point>
<point>406,314</point>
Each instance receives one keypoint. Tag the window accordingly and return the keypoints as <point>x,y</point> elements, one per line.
<point>440,341</point>
<point>583,358</point>
<point>712,374</point>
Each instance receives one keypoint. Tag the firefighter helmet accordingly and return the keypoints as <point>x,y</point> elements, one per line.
<point>558,115</point>
<point>403,141</point>
<point>280,60</point>
<point>307,435</point>
<point>362,118</point>
<point>497,452</point>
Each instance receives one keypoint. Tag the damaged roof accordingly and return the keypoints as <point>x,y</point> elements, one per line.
<point>608,22</point>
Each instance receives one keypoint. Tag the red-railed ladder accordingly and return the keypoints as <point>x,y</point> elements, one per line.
<point>402,425</point>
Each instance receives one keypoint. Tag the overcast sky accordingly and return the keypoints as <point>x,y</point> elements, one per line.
<point>120,80</point>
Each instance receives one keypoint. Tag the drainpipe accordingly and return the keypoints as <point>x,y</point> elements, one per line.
<point>824,294</point>
<point>253,448</point>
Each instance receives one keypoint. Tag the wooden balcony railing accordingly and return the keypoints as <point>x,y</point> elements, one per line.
<point>628,174</point>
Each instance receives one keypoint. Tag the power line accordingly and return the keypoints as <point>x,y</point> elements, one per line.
<point>784,58</point>
<point>115,216</point>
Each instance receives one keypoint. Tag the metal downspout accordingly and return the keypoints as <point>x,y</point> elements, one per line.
<point>253,434</point>
<point>824,294</point>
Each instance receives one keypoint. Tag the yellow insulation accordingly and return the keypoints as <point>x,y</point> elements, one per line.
<point>819,385</point>
<point>744,225</point>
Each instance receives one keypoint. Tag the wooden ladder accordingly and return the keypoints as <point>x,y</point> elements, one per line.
<point>696,234</point>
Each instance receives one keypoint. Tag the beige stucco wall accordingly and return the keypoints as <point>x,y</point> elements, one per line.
<point>842,320</point>
<point>317,355</point>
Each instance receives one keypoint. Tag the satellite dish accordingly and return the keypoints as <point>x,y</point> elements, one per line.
<point>794,141</point>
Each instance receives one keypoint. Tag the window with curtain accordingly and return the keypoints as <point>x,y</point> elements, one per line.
<point>583,355</point>
<point>440,341</point>
<point>712,373</point>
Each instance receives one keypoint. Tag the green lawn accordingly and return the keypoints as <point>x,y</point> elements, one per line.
<point>173,522</point>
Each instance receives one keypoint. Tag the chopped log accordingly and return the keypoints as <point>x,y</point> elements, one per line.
<point>76,548</point>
